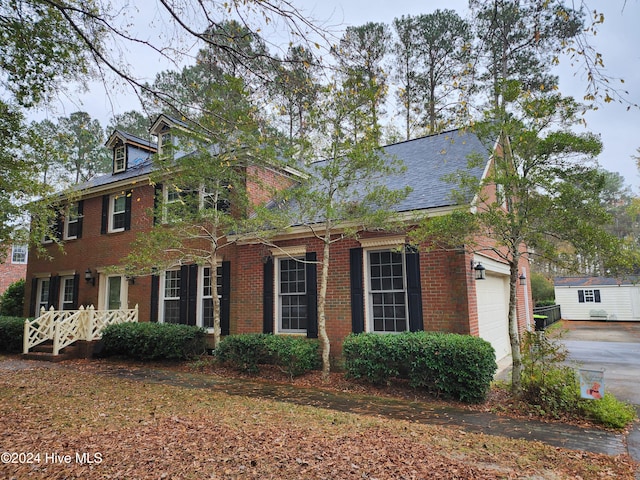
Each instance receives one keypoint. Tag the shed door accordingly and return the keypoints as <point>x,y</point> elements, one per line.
<point>493,308</point>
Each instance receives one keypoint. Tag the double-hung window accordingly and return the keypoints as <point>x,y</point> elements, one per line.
<point>42,295</point>
<point>67,293</point>
<point>207,295</point>
<point>171,297</point>
<point>71,222</point>
<point>292,295</point>
<point>119,159</point>
<point>387,294</point>
<point>117,213</point>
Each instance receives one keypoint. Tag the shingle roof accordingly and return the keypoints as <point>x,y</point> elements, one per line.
<point>428,160</point>
<point>594,281</point>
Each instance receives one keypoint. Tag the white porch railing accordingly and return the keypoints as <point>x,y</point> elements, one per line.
<point>67,326</point>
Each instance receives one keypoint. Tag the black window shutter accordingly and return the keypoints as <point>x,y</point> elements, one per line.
<point>59,228</point>
<point>596,295</point>
<point>267,297</point>
<point>357,291</point>
<point>105,214</point>
<point>76,288</point>
<point>155,291</point>
<point>193,294</point>
<point>80,217</point>
<point>581,296</point>
<point>225,301</point>
<point>184,294</point>
<point>54,290</point>
<point>414,291</point>
<point>127,210</point>
<point>157,203</point>
<point>311,271</point>
<point>34,291</point>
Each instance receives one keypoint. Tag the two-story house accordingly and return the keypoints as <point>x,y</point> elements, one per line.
<point>378,282</point>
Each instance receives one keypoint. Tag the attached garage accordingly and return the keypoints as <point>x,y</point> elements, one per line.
<point>492,295</point>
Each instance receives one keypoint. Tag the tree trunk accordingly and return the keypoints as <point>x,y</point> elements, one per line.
<point>215,300</point>
<point>322,320</point>
<point>514,333</point>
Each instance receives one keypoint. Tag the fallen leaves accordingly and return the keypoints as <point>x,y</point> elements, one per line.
<point>152,431</point>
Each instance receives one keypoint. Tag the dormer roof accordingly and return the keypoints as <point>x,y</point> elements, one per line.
<point>119,136</point>
<point>166,121</point>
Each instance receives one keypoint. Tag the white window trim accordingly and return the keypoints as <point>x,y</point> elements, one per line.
<point>63,280</point>
<point>39,293</point>
<point>13,253</point>
<point>103,291</point>
<point>161,292</point>
<point>368,306</point>
<point>285,253</point>
<point>200,297</point>
<point>112,212</point>
<point>116,168</point>
<point>68,221</point>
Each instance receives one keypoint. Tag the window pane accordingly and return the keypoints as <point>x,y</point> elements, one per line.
<point>292,294</point>
<point>387,291</point>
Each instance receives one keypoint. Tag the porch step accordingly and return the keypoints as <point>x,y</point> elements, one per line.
<point>79,349</point>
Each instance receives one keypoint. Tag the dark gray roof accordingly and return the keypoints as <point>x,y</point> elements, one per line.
<point>143,168</point>
<point>428,160</point>
<point>139,140</point>
<point>594,281</point>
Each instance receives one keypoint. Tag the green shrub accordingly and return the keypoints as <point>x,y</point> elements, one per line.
<point>153,341</point>
<point>542,289</point>
<point>11,334</point>
<point>547,383</point>
<point>12,300</point>
<point>454,366</point>
<point>245,352</point>
<point>609,411</point>
<point>371,357</point>
<point>553,389</point>
<point>545,303</point>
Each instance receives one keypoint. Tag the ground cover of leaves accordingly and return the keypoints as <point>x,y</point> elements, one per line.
<point>89,426</point>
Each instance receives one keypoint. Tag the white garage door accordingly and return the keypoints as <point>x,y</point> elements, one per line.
<point>493,306</point>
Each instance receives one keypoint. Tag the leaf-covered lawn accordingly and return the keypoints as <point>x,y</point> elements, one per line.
<point>136,430</point>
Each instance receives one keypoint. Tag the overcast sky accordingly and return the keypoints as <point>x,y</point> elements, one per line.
<point>618,41</point>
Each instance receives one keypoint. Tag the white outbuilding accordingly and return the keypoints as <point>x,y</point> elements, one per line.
<point>598,298</point>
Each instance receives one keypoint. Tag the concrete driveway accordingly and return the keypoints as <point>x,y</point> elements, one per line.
<point>610,346</point>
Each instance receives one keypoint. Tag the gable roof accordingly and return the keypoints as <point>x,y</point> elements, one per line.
<point>131,139</point>
<point>594,281</point>
<point>428,160</point>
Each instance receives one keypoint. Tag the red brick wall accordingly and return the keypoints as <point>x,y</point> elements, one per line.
<point>10,272</point>
<point>95,250</point>
<point>446,292</point>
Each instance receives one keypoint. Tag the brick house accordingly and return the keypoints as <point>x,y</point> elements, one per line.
<point>378,282</point>
<point>14,266</point>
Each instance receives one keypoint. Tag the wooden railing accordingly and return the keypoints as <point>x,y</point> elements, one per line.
<point>67,326</point>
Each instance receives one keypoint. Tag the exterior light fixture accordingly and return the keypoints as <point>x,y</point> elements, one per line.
<point>523,279</point>
<point>89,277</point>
<point>479,270</point>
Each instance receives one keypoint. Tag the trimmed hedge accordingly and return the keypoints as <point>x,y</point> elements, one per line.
<point>454,366</point>
<point>293,355</point>
<point>12,300</point>
<point>11,334</point>
<point>153,341</point>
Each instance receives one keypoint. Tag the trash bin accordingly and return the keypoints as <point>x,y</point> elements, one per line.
<point>541,322</point>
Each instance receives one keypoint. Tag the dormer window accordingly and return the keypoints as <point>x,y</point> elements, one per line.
<point>165,143</point>
<point>119,160</point>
